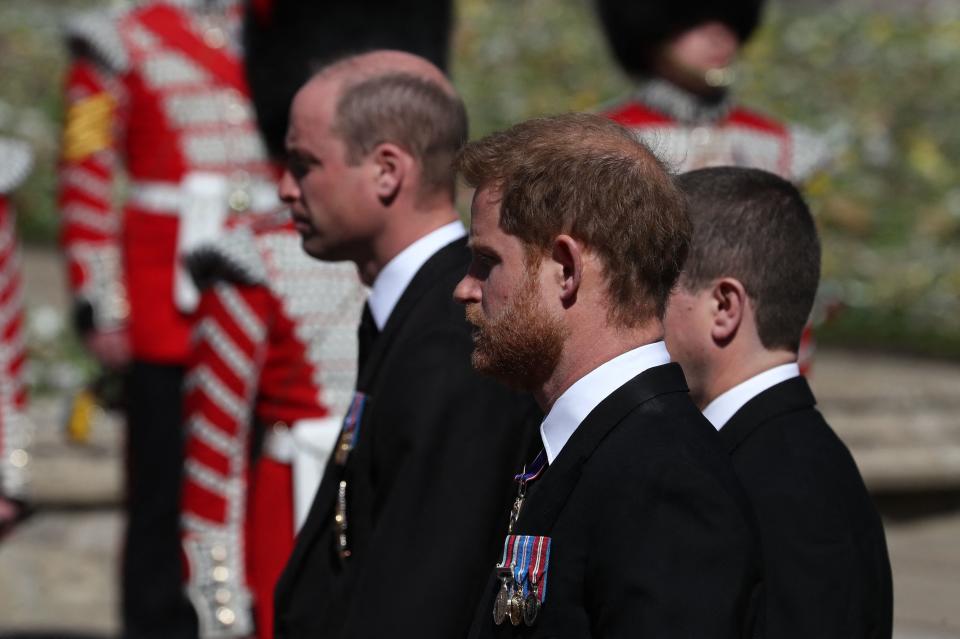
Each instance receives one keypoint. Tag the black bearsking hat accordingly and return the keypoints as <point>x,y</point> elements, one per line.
<point>286,40</point>
<point>635,29</point>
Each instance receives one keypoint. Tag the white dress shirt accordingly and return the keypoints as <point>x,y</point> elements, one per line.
<point>573,406</point>
<point>725,406</point>
<point>397,274</point>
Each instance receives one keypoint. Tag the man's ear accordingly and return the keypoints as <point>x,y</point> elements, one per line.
<point>567,254</point>
<point>391,164</point>
<point>728,303</point>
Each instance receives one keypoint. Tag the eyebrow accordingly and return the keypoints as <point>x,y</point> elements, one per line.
<point>480,247</point>
<point>293,150</point>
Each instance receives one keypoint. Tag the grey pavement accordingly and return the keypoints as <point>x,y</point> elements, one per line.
<point>900,417</point>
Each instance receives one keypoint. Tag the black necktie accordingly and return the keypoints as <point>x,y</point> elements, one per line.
<point>366,336</point>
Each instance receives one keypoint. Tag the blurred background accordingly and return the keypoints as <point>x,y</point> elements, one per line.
<point>878,79</point>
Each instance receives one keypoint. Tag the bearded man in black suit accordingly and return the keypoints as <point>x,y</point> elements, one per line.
<point>407,515</point>
<point>630,523</point>
<point>734,324</point>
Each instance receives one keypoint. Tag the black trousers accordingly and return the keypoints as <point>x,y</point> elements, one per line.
<point>153,602</point>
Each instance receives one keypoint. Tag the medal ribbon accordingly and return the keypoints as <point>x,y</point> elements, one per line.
<point>345,444</point>
<point>350,430</point>
<point>522,560</point>
<point>536,469</point>
<point>351,422</point>
<point>538,566</point>
<point>507,556</point>
<point>527,557</point>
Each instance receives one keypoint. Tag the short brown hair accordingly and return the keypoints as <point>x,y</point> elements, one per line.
<point>754,226</point>
<point>412,112</point>
<point>589,177</point>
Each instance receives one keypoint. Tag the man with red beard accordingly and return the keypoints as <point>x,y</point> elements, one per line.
<point>630,522</point>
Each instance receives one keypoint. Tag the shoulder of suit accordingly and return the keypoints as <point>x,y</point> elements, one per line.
<point>800,436</point>
<point>97,35</point>
<point>662,427</point>
<point>16,161</point>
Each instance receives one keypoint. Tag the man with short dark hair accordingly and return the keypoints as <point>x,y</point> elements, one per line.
<point>734,324</point>
<point>409,510</point>
<point>630,522</point>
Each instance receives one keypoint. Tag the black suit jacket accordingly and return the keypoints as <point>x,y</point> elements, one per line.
<point>429,481</point>
<point>651,535</point>
<point>826,569</point>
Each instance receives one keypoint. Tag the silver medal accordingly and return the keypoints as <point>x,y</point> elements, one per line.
<point>500,603</point>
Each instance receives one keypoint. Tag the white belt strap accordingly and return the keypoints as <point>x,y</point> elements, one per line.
<point>203,212</point>
<point>307,446</point>
<point>167,198</point>
<point>202,201</point>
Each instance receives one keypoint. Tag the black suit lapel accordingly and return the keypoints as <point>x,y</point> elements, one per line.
<point>549,494</point>
<point>786,397</point>
<point>547,499</point>
<point>452,256</point>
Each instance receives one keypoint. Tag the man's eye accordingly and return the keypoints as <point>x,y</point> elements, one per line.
<point>298,166</point>
<point>481,265</point>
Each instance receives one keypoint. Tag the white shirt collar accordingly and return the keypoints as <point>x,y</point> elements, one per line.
<point>397,274</point>
<point>725,406</point>
<point>573,406</point>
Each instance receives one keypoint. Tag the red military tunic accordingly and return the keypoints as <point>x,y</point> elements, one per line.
<point>157,91</point>
<point>275,346</point>
<point>15,162</point>
<point>688,133</point>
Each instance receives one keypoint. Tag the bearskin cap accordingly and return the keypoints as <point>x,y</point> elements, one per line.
<point>286,40</point>
<point>635,29</point>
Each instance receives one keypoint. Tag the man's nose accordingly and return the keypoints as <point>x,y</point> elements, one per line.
<point>467,290</point>
<point>288,190</point>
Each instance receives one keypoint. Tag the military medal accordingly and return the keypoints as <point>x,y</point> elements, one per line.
<point>350,429</point>
<point>519,565</point>
<point>515,607</point>
<point>500,604</point>
<point>345,444</point>
<point>503,597</point>
<point>523,567</point>
<point>531,608</point>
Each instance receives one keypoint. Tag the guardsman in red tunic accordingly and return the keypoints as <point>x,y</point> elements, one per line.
<point>156,93</point>
<point>273,365</point>
<point>270,375</point>
<point>15,162</point>
<point>680,54</point>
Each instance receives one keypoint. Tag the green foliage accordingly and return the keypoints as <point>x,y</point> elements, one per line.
<point>883,86</point>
